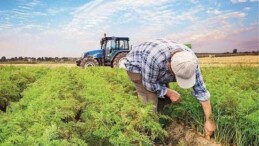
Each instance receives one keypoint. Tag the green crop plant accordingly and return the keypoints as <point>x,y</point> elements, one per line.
<point>235,102</point>
<point>14,80</point>
<point>99,106</point>
<point>79,107</point>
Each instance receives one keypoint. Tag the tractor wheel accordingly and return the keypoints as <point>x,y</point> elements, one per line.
<point>89,62</point>
<point>119,60</point>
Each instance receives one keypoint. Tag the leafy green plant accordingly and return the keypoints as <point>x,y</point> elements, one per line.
<point>98,106</point>
<point>14,80</point>
<point>79,107</point>
<point>234,92</point>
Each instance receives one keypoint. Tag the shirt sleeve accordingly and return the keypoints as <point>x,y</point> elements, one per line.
<point>199,89</point>
<point>150,71</point>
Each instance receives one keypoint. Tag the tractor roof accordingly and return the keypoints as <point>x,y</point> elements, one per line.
<point>117,38</point>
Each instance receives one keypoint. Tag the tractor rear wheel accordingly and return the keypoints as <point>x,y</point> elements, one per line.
<point>118,61</point>
<point>89,62</point>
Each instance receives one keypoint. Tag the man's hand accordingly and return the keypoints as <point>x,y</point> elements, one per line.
<point>173,96</point>
<point>209,128</point>
<point>209,125</point>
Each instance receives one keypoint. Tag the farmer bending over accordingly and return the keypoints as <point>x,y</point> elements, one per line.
<point>152,65</point>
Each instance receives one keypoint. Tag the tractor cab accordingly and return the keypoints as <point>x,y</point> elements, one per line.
<point>111,46</point>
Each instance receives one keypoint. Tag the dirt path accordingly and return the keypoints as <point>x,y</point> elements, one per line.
<point>183,136</point>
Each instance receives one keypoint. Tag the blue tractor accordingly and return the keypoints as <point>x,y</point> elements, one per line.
<point>112,52</point>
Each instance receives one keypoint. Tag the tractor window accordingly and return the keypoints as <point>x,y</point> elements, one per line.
<point>108,47</point>
<point>124,44</point>
<point>117,44</point>
<point>113,45</point>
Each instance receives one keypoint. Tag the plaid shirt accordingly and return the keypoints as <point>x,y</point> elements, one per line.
<point>150,60</point>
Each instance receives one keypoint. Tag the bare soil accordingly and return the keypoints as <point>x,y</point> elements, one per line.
<point>180,135</point>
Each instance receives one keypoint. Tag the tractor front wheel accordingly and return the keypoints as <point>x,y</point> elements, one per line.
<point>89,62</point>
<point>119,60</point>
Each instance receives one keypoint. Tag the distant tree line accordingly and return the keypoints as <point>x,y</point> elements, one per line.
<point>72,59</point>
<point>38,59</point>
<point>234,53</point>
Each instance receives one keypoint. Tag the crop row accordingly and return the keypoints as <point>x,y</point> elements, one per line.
<point>98,106</point>
<point>79,107</point>
<point>234,97</point>
<point>14,80</point>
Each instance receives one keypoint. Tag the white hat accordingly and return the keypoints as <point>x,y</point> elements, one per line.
<point>184,65</point>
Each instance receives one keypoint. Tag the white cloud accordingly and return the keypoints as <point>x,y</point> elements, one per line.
<point>32,26</point>
<point>238,1</point>
<point>32,3</point>
<point>152,17</point>
<point>23,13</point>
<point>25,7</point>
<point>97,17</point>
<point>213,11</point>
<point>204,33</point>
<point>4,26</point>
<point>242,1</point>
<point>218,25</point>
<point>54,11</point>
<point>247,8</point>
<point>194,1</point>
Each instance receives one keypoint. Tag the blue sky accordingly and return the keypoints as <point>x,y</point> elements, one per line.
<point>58,28</point>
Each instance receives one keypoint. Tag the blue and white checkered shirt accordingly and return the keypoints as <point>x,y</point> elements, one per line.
<point>150,60</point>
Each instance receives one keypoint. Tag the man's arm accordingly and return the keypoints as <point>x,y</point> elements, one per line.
<point>202,94</point>
<point>206,109</point>
<point>199,89</point>
<point>209,125</point>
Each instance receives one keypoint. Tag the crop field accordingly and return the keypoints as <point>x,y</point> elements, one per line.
<point>229,61</point>
<point>252,60</point>
<point>99,106</point>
